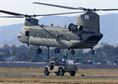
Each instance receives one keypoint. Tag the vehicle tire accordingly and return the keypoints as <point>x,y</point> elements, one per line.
<point>46,72</point>
<point>72,73</point>
<point>61,72</point>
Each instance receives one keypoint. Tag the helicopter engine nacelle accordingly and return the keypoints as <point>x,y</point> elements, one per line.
<point>80,28</point>
<point>72,27</point>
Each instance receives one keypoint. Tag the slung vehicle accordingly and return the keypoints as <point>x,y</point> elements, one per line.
<point>60,68</point>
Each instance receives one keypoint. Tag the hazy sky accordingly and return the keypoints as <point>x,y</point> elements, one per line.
<point>26,7</point>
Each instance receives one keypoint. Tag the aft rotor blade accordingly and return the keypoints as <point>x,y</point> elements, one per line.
<point>106,9</point>
<point>66,7</point>
<point>9,12</point>
<point>59,13</point>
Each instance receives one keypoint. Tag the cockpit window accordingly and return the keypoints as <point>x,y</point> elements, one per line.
<point>27,33</point>
<point>31,22</point>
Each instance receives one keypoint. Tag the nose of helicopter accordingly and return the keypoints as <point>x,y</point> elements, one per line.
<point>19,37</point>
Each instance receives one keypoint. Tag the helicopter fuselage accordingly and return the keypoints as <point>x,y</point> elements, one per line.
<point>61,37</point>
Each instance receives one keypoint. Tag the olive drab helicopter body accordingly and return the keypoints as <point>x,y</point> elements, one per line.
<point>82,35</point>
<point>72,37</point>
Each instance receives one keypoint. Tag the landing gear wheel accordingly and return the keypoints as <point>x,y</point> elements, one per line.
<point>60,72</point>
<point>72,52</point>
<point>92,52</point>
<point>38,50</point>
<point>46,72</point>
<point>57,50</point>
<point>72,73</point>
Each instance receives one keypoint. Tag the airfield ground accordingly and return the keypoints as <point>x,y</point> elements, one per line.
<point>35,76</point>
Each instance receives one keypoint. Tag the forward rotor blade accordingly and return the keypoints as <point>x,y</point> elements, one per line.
<point>106,9</point>
<point>66,7</point>
<point>9,12</point>
<point>22,16</point>
<point>11,17</point>
<point>59,13</point>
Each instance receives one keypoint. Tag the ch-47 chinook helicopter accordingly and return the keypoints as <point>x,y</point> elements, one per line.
<point>85,34</point>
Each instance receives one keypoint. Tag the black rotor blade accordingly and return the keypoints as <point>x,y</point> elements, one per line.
<point>18,15</point>
<point>22,16</point>
<point>106,9</point>
<point>59,13</point>
<point>66,7</point>
<point>11,17</point>
<point>9,12</point>
<point>74,8</point>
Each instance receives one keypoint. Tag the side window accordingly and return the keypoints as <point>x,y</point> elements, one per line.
<point>27,33</point>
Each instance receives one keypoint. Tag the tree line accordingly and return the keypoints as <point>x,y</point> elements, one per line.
<point>106,54</point>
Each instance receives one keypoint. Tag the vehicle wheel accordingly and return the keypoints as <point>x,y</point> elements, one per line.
<point>61,72</point>
<point>46,72</point>
<point>72,73</point>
